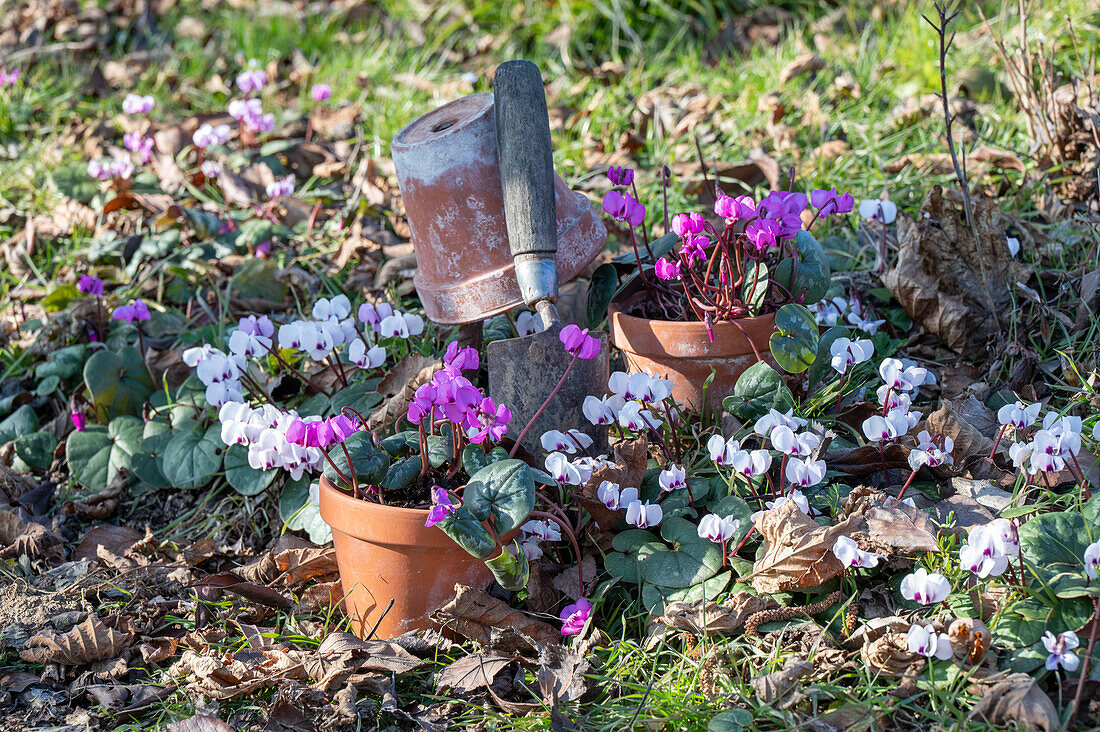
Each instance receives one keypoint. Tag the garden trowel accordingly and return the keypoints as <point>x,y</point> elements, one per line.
<point>524,371</point>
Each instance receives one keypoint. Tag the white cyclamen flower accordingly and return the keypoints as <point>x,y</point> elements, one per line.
<point>850,555</point>
<point>928,643</point>
<point>643,515</point>
<point>924,587</point>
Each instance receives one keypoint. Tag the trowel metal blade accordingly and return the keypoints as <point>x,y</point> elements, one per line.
<point>524,371</point>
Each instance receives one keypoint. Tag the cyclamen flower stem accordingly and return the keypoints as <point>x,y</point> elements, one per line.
<point>886,401</point>
<point>885,471</point>
<point>744,539</point>
<point>305,379</point>
<point>645,236</point>
<point>840,391</point>
<point>424,463</point>
<point>343,477</point>
<point>334,362</point>
<point>1085,661</point>
<point>783,475</point>
<point>572,538</point>
<point>638,259</point>
<point>545,404</point>
<point>997,442</point>
<point>1081,477</point>
<point>351,470</point>
<point>907,482</point>
<point>675,439</point>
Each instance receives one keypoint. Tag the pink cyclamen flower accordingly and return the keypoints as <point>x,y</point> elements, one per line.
<point>442,506</point>
<point>764,233</point>
<point>578,342</point>
<point>320,92</point>
<point>136,142</point>
<point>735,209</point>
<point>207,135</point>
<point>78,420</point>
<point>137,104</point>
<point>460,360</point>
<point>684,224</point>
<point>1060,648</point>
<point>694,247</point>
<point>667,270</point>
<point>620,175</point>
<point>281,187</point>
<point>252,79</point>
<point>9,77</point>
<point>574,617</point>
<point>489,421</point>
<point>828,202</point>
<point>623,208</point>
<point>137,310</point>
<point>89,285</point>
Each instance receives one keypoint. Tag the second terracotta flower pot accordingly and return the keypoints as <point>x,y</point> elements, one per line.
<point>386,553</point>
<point>684,353</point>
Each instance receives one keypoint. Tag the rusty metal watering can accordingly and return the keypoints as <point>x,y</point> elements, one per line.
<point>449,173</point>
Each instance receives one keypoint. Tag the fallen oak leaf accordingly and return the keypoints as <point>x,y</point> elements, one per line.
<point>482,618</point>
<point>709,617</point>
<point>229,582</point>
<point>796,551</point>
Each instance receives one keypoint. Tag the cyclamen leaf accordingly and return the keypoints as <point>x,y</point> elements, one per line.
<point>193,457</point>
<point>757,390</point>
<point>118,381</point>
<point>504,491</point>
<point>97,454</point>
<point>794,344</point>
<point>510,571</point>
<point>468,533</point>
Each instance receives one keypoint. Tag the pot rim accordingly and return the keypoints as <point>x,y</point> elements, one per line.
<point>376,522</point>
<point>684,339</point>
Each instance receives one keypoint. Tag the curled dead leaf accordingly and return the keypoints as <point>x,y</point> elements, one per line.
<point>19,537</point>
<point>709,617</point>
<point>1018,702</point>
<point>956,281</point>
<point>85,643</point>
<point>970,640</point>
<point>889,655</point>
<point>797,551</point>
<point>781,686</point>
<point>492,623</point>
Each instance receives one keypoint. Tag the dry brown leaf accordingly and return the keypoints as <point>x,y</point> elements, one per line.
<point>469,674</point>
<point>492,623</point>
<point>378,655</point>
<point>229,582</point>
<point>568,583</point>
<point>889,655</point>
<point>336,124</point>
<point>1018,702</point>
<point>778,686</point>
<point>224,676</point>
<point>629,468</point>
<point>90,641</point>
<point>806,63</point>
<point>18,537</point>
<point>890,525</point>
<point>969,423</point>
<point>970,639</point>
<point>710,617</point>
<point>303,564</point>
<point>958,286</point>
<point>200,723</point>
<point>797,551</point>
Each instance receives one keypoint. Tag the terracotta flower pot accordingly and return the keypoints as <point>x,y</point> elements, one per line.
<point>386,553</point>
<point>684,353</point>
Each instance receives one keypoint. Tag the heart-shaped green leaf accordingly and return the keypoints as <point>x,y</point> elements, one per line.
<point>812,275</point>
<point>300,513</point>
<point>1055,542</point>
<point>505,491</point>
<point>468,533</point>
<point>64,363</point>
<point>693,560</point>
<point>118,382</point>
<point>510,570</point>
<point>401,473</point>
<point>822,367</point>
<point>473,459</point>
<point>193,457</point>
<point>655,597</point>
<point>244,478</point>
<point>97,454</point>
<point>794,343</point>
<point>369,461</point>
<point>757,390</point>
<point>36,449</point>
<point>22,421</point>
<point>361,396</point>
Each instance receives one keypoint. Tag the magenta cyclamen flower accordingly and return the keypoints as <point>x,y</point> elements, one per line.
<point>252,80</point>
<point>8,77</point>
<point>458,360</point>
<point>694,247</point>
<point>578,342</point>
<point>281,187</point>
<point>320,92</point>
<point>137,310</point>
<point>138,143</point>
<point>422,402</point>
<point>685,224</point>
<point>78,420</point>
<point>620,175</point>
<point>623,208</point>
<point>667,270</point>
<point>735,209</point>
<point>490,420</point>
<point>764,233</point>
<point>442,506</point>
<point>828,202</point>
<point>574,617</point>
<point>89,285</point>
<point>137,104</point>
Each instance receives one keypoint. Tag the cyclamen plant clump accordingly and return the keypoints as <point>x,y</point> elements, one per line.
<point>745,266</point>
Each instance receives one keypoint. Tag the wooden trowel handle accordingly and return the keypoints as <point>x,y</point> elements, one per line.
<point>527,178</point>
